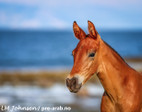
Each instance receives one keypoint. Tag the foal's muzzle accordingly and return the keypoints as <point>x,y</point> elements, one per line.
<point>73,84</point>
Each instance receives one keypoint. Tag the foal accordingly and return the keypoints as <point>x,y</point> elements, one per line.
<point>122,84</point>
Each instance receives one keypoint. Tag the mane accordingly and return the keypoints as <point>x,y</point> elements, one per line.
<point>115,51</point>
<point>88,35</point>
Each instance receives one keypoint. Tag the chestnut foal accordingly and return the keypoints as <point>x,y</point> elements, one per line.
<point>122,84</point>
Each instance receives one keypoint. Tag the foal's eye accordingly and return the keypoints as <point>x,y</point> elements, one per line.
<point>91,54</point>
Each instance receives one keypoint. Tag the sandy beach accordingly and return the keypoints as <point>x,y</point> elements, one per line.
<point>46,78</point>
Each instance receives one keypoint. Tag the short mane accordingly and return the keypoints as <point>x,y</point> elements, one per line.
<point>114,51</point>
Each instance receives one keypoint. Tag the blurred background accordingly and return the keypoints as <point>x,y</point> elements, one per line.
<point>36,42</point>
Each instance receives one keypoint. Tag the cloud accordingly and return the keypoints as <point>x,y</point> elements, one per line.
<point>28,24</point>
<point>41,19</point>
<point>56,22</point>
<point>61,13</point>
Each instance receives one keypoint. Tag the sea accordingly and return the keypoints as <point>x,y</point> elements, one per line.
<point>51,50</point>
<point>40,49</point>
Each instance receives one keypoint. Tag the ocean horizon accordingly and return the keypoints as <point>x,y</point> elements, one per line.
<point>41,49</point>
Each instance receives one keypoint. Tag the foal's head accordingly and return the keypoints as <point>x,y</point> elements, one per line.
<point>85,57</point>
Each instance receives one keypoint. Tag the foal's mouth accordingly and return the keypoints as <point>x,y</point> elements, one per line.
<point>73,84</point>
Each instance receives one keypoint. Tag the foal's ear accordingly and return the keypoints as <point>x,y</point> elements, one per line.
<point>78,32</point>
<point>91,28</point>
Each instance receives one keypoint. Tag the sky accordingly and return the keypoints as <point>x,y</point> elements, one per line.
<point>60,14</point>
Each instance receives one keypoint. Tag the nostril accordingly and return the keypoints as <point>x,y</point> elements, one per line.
<point>74,81</point>
<point>68,82</point>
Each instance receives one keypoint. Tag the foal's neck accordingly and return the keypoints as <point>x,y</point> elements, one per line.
<point>112,71</point>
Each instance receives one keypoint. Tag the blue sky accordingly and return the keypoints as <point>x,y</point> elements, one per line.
<point>60,14</point>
